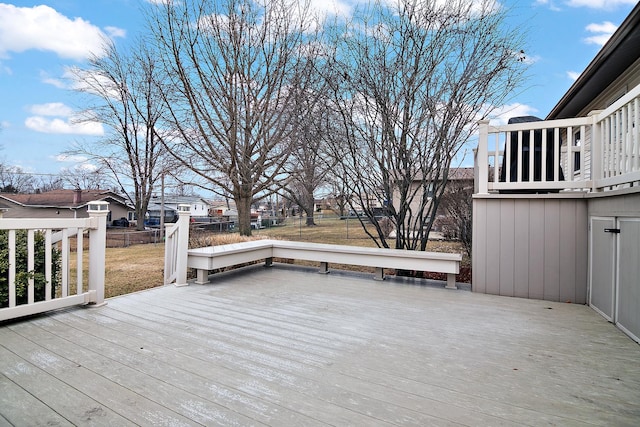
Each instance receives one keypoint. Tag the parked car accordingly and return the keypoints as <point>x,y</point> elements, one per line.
<point>122,222</point>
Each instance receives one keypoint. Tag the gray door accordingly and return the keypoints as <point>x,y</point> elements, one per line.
<point>628,291</point>
<point>602,266</point>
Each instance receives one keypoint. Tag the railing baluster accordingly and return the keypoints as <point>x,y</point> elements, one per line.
<point>629,138</point>
<point>496,158</point>
<point>30,266</point>
<point>47,264</point>
<point>507,153</point>
<point>65,262</point>
<point>532,153</point>
<point>616,144</point>
<point>636,134</point>
<point>79,261</point>
<point>519,170</point>
<point>557,155</point>
<point>583,143</point>
<point>12,268</point>
<point>570,141</point>
<point>543,157</point>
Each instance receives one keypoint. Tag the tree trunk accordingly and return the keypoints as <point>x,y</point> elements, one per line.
<point>310,221</point>
<point>243,204</point>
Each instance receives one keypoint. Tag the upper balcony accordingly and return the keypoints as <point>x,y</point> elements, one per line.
<point>600,152</point>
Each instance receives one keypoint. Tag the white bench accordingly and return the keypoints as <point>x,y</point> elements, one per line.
<point>213,257</point>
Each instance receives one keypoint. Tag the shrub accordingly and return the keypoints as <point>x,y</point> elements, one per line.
<point>22,274</point>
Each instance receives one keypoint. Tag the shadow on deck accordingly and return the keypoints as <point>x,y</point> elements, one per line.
<point>284,346</point>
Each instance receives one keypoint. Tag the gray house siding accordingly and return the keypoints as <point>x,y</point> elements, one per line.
<point>531,247</point>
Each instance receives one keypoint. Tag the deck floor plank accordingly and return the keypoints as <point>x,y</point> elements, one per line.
<point>285,346</point>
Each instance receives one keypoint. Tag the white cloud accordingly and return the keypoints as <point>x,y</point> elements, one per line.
<point>116,32</point>
<point>5,124</point>
<point>551,4</point>
<point>60,126</point>
<point>602,32</point>
<point>502,114</point>
<point>43,28</point>
<point>335,7</point>
<point>573,75</point>
<point>600,4</point>
<point>69,158</point>
<point>51,109</point>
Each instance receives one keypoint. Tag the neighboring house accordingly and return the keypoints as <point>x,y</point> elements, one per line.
<point>459,177</point>
<point>578,239</point>
<point>199,206</point>
<point>460,185</point>
<point>61,204</point>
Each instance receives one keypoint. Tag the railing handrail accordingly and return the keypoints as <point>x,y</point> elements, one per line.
<point>545,124</point>
<point>47,223</point>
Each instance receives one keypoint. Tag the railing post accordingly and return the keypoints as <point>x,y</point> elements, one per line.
<point>596,150</point>
<point>97,244</point>
<point>476,175</point>
<point>482,154</point>
<point>184,214</point>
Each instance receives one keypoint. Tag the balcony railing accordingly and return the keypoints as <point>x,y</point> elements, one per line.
<point>57,236</point>
<point>600,152</point>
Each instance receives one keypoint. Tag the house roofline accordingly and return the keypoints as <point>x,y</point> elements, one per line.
<point>122,201</point>
<point>621,50</point>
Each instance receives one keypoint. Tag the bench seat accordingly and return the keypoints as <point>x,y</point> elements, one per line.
<point>214,257</point>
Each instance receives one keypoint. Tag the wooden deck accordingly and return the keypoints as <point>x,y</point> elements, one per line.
<point>285,347</point>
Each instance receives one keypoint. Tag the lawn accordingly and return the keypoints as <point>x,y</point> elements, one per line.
<point>140,267</point>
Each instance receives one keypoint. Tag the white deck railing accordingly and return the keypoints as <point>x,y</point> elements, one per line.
<point>175,248</point>
<point>595,153</point>
<point>58,235</point>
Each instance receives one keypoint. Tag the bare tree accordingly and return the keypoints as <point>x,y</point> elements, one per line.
<point>125,93</point>
<point>457,206</point>
<point>416,75</point>
<point>49,182</point>
<point>309,163</point>
<point>84,177</point>
<point>234,69</point>
<point>15,180</point>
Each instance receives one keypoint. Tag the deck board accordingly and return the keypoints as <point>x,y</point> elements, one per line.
<point>284,346</point>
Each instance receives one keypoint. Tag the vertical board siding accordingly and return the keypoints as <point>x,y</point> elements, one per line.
<point>568,252</point>
<point>536,249</point>
<point>582,252</point>
<point>506,248</point>
<point>479,242</point>
<point>492,284</point>
<point>552,250</point>
<point>533,248</point>
<point>521,250</point>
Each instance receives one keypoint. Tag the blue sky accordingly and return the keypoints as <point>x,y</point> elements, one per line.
<point>39,40</point>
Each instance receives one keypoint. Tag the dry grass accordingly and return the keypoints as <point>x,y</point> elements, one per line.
<point>140,267</point>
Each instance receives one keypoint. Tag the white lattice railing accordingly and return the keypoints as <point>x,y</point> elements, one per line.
<point>595,153</point>
<point>57,236</point>
<point>175,248</point>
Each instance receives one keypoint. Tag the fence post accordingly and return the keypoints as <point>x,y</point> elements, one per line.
<point>184,214</point>
<point>97,244</point>
<point>482,156</point>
